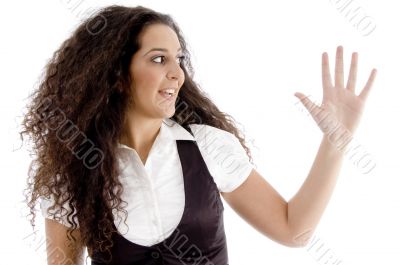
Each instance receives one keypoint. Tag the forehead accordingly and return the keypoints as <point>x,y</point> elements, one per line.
<point>158,36</point>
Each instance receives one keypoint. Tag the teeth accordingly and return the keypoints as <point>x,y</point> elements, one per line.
<point>168,91</point>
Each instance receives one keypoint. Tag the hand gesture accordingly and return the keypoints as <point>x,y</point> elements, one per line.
<point>340,105</point>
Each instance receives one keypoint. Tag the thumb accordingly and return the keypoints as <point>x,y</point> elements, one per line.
<point>305,100</point>
<point>299,95</point>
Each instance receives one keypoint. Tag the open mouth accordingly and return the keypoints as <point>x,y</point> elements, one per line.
<point>167,93</point>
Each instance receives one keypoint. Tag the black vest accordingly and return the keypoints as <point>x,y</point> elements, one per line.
<point>199,238</point>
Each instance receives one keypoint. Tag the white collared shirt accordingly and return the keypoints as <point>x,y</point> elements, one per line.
<point>154,192</point>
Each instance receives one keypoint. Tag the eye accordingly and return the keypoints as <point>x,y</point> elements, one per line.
<point>156,59</point>
<point>181,59</point>
<point>161,59</point>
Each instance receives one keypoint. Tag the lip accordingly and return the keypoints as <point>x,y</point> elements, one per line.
<point>168,98</point>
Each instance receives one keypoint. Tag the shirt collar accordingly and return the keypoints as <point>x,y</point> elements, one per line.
<point>169,131</point>
<point>172,130</point>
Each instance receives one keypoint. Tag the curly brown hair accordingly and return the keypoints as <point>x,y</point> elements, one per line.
<point>75,118</point>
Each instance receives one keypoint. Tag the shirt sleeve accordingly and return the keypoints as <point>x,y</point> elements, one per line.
<point>47,202</point>
<point>226,159</point>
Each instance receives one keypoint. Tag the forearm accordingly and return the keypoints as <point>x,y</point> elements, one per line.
<point>307,206</point>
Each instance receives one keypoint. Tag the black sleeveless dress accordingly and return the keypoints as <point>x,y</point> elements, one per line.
<point>199,238</point>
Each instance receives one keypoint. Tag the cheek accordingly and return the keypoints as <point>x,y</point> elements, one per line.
<point>147,82</point>
<point>182,79</point>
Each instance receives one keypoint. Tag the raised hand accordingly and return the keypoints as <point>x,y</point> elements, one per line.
<point>340,105</point>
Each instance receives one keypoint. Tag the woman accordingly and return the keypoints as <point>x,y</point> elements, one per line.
<point>132,156</point>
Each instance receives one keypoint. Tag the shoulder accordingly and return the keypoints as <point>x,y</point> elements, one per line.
<point>224,155</point>
<point>51,210</point>
<point>207,134</point>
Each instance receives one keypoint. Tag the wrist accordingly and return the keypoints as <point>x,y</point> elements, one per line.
<point>338,139</point>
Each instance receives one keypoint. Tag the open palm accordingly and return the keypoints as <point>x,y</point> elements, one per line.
<point>340,105</point>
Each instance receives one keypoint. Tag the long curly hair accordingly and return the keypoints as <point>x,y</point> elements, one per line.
<point>75,119</point>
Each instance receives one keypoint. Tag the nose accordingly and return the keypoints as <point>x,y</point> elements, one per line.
<point>175,72</point>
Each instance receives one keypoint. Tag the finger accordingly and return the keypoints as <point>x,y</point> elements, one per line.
<point>308,104</point>
<point>365,92</point>
<point>351,81</point>
<point>326,75</point>
<point>339,67</point>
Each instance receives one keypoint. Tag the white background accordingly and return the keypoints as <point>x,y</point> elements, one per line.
<point>250,57</point>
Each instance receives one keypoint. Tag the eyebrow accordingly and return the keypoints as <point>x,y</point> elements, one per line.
<point>160,50</point>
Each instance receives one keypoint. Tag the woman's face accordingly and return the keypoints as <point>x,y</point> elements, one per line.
<point>155,72</point>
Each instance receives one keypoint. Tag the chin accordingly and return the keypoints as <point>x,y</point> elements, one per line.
<point>170,115</point>
<point>166,112</point>
<point>163,114</point>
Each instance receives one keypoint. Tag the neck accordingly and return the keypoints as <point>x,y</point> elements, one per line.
<point>140,132</point>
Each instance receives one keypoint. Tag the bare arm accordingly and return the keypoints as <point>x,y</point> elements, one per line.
<point>305,209</point>
<point>293,223</point>
<point>338,118</point>
<point>259,204</point>
<point>58,251</point>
